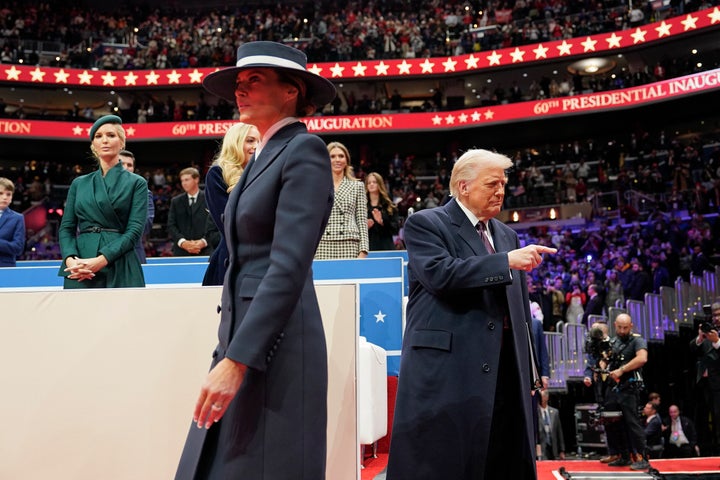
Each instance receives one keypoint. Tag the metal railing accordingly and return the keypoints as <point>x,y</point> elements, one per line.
<point>657,314</point>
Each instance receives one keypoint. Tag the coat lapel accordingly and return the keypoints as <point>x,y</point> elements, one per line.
<point>464,228</point>
<point>270,152</point>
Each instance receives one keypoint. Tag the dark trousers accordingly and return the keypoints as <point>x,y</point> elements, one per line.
<point>708,405</point>
<point>507,433</point>
<point>627,435</point>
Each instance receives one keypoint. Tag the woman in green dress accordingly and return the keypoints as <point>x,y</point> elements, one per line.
<point>105,213</point>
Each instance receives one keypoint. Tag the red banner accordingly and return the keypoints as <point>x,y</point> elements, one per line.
<point>430,121</point>
<point>411,67</point>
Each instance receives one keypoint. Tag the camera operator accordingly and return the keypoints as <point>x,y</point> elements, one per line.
<point>598,354</point>
<point>629,354</point>
<point>706,346</point>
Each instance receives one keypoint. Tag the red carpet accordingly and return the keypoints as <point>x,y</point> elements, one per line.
<point>550,470</point>
<point>373,466</point>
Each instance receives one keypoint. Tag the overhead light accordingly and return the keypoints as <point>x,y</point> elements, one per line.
<point>591,66</point>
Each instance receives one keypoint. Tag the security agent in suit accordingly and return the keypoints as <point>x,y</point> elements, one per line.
<point>463,400</point>
<point>188,217</point>
<point>595,303</point>
<point>550,438</point>
<point>127,158</point>
<point>706,347</point>
<point>653,430</point>
<point>12,226</point>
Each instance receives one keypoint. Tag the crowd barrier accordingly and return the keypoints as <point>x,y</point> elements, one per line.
<point>657,314</point>
<point>101,383</point>
<point>380,279</point>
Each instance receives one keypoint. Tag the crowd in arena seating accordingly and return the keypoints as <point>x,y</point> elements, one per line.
<point>175,37</point>
<point>137,36</point>
<point>673,175</point>
<point>678,178</point>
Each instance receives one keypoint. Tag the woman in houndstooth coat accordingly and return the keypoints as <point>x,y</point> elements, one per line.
<point>346,234</point>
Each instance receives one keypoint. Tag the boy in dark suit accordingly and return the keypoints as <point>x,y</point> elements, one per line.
<point>188,216</point>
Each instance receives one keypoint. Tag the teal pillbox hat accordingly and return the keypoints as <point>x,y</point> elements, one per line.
<point>102,121</point>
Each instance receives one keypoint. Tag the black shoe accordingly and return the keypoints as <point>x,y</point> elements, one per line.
<point>641,464</point>
<point>620,462</point>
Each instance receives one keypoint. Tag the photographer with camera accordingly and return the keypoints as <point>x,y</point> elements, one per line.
<point>598,353</point>
<point>624,378</point>
<point>706,346</point>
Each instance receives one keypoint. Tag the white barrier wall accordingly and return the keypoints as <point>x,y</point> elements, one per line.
<point>102,383</point>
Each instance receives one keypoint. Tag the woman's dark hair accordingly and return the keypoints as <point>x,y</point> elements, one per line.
<point>303,108</point>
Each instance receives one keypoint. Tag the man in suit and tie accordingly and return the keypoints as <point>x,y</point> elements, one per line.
<point>594,305</point>
<point>127,158</point>
<point>706,347</point>
<point>550,438</point>
<point>188,217</point>
<point>12,226</point>
<point>463,402</point>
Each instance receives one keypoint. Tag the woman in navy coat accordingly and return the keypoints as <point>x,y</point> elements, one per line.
<point>262,411</point>
<point>239,144</point>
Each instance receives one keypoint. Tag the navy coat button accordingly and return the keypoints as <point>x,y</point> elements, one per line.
<point>491,326</point>
<point>219,309</point>
<point>485,367</point>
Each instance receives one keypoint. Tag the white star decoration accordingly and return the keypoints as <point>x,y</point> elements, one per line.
<point>449,64</point>
<point>589,44</point>
<point>109,79</point>
<point>77,130</point>
<point>427,66</point>
<point>174,77</point>
<point>195,76</point>
<point>517,55</point>
<point>689,23</point>
<point>130,79</point>
<point>638,36</point>
<point>714,16</point>
<point>380,317</point>
<point>37,75</point>
<point>381,68</point>
<point>540,51</point>
<point>613,41</point>
<point>564,48</point>
<point>337,70</point>
<point>152,78</point>
<point>61,76</point>
<point>494,58</point>
<point>663,30</point>
<point>404,68</point>
<point>315,69</point>
<point>13,73</point>
<point>471,62</point>
<point>359,70</point>
<point>85,77</point>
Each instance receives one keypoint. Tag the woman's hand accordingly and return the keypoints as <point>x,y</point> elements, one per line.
<point>377,215</point>
<point>84,268</point>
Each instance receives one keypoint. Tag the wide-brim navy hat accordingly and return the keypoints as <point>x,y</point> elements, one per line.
<point>222,83</point>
